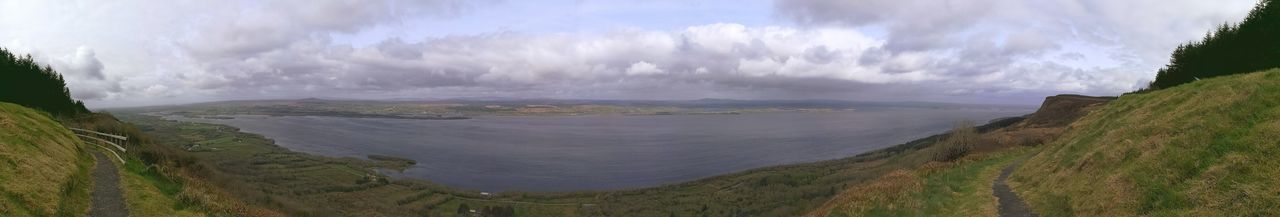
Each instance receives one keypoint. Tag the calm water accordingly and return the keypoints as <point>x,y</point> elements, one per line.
<point>603,152</point>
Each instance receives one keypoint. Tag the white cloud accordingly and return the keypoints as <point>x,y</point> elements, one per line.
<point>643,68</point>
<point>83,63</point>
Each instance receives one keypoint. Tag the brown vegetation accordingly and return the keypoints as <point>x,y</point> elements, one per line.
<point>889,190</point>
<point>960,142</point>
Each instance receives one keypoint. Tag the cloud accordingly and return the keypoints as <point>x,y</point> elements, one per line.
<point>1002,47</point>
<point>704,55</point>
<point>993,35</point>
<point>724,59</point>
<point>643,68</point>
<point>84,63</point>
<point>972,51</point>
<point>277,24</point>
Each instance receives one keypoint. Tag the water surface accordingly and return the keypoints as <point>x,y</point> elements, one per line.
<point>603,152</point>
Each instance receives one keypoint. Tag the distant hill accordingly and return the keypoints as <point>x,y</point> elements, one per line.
<point>1250,46</point>
<point>1206,148</point>
<point>27,83</point>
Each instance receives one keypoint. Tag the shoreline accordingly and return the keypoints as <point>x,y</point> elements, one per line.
<point>399,171</point>
<point>248,160</point>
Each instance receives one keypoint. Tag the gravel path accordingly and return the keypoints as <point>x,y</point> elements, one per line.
<point>1010,204</point>
<point>108,200</point>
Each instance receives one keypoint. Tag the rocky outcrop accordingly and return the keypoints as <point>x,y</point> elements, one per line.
<point>1062,110</point>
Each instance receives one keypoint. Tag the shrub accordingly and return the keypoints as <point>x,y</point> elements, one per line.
<point>960,142</point>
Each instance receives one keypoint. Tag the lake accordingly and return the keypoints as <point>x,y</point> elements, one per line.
<point>564,153</point>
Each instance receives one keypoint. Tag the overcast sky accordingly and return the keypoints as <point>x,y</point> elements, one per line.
<point>131,53</point>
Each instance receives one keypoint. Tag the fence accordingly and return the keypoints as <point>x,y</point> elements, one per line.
<point>116,141</point>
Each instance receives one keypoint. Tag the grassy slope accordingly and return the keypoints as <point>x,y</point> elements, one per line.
<point>148,193</point>
<point>1206,148</point>
<point>34,150</point>
<point>961,188</point>
<point>42,170</point>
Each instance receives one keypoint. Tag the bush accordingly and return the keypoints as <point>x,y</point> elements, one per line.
<point>960,142</point>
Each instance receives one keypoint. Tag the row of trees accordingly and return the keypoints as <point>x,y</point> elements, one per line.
<point>1250,46</point>
<point>25,82</point>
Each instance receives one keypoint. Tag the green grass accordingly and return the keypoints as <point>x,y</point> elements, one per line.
<point>1207,148</point>
<point>43,172</point>
<point>149,193</point>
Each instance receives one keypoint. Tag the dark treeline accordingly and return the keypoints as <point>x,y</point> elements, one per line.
<point>25,82</point>
<point>1250,46</point>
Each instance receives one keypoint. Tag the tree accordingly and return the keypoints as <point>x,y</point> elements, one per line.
<point>25,82</point>
<point>1248,46</point>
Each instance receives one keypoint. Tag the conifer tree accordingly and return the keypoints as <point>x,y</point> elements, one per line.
<point>25,82</point>
<point>1249,46</point>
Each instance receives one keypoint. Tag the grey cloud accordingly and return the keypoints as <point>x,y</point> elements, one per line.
<point>513,61</point>
<point>276,25</point>
<point>94,90</point>
<point>723,59</point>
<point>84,63</point>
<point>990,40</point>
<point>858,49</point>
<point>86,75</point>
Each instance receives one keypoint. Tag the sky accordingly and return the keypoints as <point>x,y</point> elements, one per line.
<point>138,53</point>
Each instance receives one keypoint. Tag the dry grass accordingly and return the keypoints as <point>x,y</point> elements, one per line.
<point>890,190</point>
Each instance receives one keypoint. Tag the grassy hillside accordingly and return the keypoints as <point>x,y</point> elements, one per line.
<point>1206,148</point>
<point>961,188</point>
<point>43,172</point>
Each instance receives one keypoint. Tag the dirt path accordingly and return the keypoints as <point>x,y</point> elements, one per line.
<point>108,200</point>
<point>1010,204</point>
